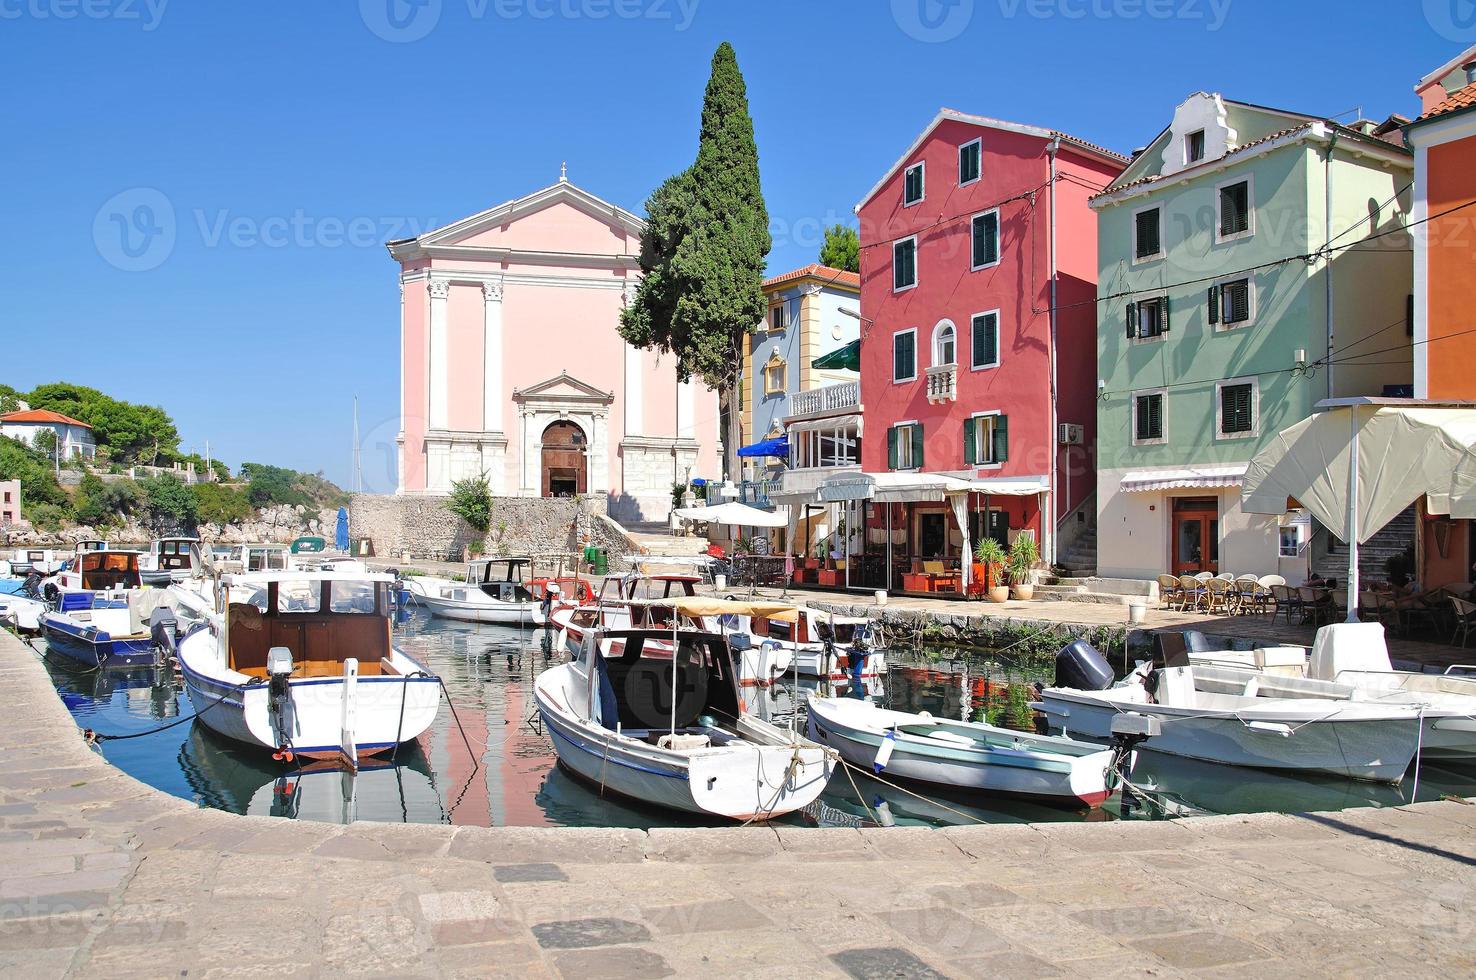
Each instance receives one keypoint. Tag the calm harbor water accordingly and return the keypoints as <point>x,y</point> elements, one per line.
<point>508,776</point>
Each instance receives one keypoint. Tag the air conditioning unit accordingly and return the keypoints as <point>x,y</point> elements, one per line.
<point>1069,434</point>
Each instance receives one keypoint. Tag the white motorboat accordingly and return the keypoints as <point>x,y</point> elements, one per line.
<point>103,616</point>
<point>1348,738</point>
<point>962,755</point>
<point>481,598</point>
<point>822,644</point>
<point>21,606</point>
<point>614,722</point>
<point>1350,661</point>
<point>308,668</point>
<point>169,560</point>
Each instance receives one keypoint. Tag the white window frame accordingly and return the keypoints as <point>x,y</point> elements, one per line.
<point>921,167</point>
<point>896,380</point>
<point>998,240</point>
<point>979,142</point>
<point>1162,335</point>
<point>1203,146</point>
<point>1250,303</point>
<point>1162,393</point>
<point>1255,429</point>
<point>909,425</point>
<point>938,329</point>
<point>998,347</point>
<point>916,271</point>
<point>1162,250</point>
<point>1249,180</point>
<point>977,463</point>
<point>783,306</point>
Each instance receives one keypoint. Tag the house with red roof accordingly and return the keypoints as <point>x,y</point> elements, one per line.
<point>74,439</point>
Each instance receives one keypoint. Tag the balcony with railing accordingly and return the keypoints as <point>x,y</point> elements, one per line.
<point>942,383</point>
<point>755,493</point>
<point>831,398</point>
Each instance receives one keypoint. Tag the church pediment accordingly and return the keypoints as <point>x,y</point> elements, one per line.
<point>565,387</point>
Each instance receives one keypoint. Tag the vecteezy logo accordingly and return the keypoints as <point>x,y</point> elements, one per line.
<point>400,21</point>
<point>1454,20</point>
<point>932,21</point>
<point>134,230</point>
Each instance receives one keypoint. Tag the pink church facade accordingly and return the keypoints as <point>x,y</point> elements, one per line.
<point>511,363</point>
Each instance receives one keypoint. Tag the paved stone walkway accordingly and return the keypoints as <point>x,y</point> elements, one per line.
<point>102,876</point>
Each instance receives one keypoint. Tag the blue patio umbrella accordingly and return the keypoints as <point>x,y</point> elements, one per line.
<point>341,536</point>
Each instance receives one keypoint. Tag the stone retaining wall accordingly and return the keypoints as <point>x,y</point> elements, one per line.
<point>424,527</point>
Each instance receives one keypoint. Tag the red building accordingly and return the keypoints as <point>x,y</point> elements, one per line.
<point>968,243</point>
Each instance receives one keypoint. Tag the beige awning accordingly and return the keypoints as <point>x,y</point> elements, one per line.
<point>1404,450</point>
<point>1011,486</point>
<point>734,513</point>
<point>892,488</point>
<point>697,605</point>
<point>827,425</point>
<point>1183,477</point>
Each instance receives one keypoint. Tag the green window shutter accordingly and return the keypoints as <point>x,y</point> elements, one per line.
<point>969,455</point>
<point>991,340</point>
<point>1163,314</point>
<point>1141,405</point>
<point>1155,416</point>
<point>1001,438</point>
<point>892,448</point>
<point>1214,304</point>
<point>1132,320</point>
<point>917,446</point>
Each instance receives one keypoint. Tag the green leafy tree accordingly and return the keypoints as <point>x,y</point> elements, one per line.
<point>169,504</point>
<point>105,503</point>
<point>841,249</point>
<point>19,461</point>
<point>133,433</point>
<point>471,500</point>
<point>216,504</point>
<point>44,442</point>
<point>10,399</point>
<point>270,485</point>
<point>704,247</point>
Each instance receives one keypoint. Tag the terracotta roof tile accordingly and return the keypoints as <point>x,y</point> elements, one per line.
<point>42,415</point>
<point>1463,99</point>
<point>816,271</point>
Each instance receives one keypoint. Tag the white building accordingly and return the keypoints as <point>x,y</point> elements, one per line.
<point>73,439</point>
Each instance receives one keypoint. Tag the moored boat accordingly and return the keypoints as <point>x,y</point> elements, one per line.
<point>308,667</point>
<point>962,755</point>
<point>482,597</point>
<point>103,616</point>
<point>614,722</point>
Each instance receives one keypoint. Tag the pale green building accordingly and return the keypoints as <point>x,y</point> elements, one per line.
<point>1241,282</point>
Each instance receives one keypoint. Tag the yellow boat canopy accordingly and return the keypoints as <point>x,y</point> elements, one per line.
<point>696,605</point>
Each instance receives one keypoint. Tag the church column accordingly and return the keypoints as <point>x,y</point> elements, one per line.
<point>599,452</point>
<point>634,408</point>
<point>492,365</point>
<point>439,382</point>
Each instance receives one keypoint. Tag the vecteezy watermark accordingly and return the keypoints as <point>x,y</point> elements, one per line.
<point>404,21</point>
<point>932,21</point>
<point>147,12</point>
<point>137,230</point>
<point>1212,12</point>
<point>1454,20</point>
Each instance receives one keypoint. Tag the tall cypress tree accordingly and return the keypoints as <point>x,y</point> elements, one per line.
<point>704,247</point>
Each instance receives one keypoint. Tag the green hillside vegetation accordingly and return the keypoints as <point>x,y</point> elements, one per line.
<point>145,435</point>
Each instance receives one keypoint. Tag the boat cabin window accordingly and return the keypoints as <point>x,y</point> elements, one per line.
<point>298,597</point>
<point>302,615</point>
<point>351,597</point>
<point>102,570</point>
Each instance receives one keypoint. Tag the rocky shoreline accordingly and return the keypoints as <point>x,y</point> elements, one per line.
<point>279,524</point>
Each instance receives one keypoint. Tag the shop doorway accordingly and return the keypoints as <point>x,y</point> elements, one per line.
<point>1196,535</point>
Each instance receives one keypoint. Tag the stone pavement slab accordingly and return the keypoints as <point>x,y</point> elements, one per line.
<point>102,876</point>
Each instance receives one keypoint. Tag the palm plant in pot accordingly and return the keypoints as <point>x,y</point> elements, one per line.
<point>1023,556</point>
<point>990,554</point>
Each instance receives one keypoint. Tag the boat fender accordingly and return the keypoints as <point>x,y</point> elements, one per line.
<point>884,752</point>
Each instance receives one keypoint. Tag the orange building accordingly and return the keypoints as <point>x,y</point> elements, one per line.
<point>1443,220</point>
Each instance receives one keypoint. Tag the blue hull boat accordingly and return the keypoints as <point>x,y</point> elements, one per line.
<point>86,628</point>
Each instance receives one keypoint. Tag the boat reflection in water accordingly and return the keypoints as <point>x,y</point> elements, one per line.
<point>228,777</point>
<point>147,693</point>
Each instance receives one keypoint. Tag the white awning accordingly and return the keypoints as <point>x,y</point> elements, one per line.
<point>827,425</point>
<point>1011,486</point>
<point>735,513</point>
<point>892,488</point>
<point>1184,477</point>
<point>1402,453</point>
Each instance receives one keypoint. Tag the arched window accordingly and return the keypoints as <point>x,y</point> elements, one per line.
<point>944,343</point>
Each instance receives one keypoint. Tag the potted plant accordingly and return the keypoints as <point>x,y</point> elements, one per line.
<point>991,555</point>
<point>1023,556</point>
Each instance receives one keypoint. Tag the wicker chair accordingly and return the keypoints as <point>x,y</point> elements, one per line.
<point>1220,595</point>
<point>1465,619</point>
<point>1170,592</point>
<point>1193,590</point>
<point>1252,595</point>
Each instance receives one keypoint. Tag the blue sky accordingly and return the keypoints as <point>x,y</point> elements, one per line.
<point>258,154</point>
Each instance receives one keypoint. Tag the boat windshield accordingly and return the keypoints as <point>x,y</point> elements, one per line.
<point>102,570</point>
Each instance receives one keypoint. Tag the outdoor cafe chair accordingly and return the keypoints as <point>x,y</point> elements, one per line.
<point>1220,596</point>
<point>1204,576</point>
<point>1287,599</point>
<point>1170,592</point>
<point>1465,618</point>
<point>1317,605</point>
<point>1193,590</point>
<point>1253,595</point>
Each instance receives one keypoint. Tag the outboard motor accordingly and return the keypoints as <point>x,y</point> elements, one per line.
<point>279,699</point>
<point>1079,666</point>
<point>31,588</point>
<point>163,630</point>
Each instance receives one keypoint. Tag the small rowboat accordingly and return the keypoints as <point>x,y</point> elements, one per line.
<point>961,755</point>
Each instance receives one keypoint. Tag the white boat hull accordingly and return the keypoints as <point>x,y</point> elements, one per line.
<point>490,611</point>
<point>1357,746</point>
<point>24,613</point>
<point>234,706</point>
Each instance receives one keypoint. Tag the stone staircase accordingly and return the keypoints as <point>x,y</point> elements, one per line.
<point>1080,558</point>
<point>1392,539</point>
